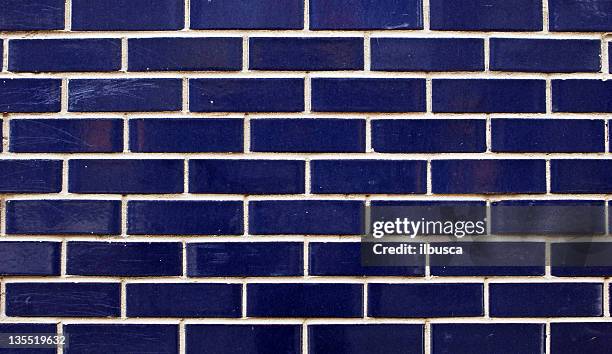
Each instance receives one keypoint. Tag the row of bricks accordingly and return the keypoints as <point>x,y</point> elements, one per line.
<point>220,176</point>
<point>311,135</point>
<point>287,95</point>
<point>304,54</point>
<point>276,259</point>
<point>475,15</point>
<point>458,338</point>
<point>304,300</point>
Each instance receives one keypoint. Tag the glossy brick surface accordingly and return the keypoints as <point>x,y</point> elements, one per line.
<point>581,176</point>
<point>581,96</point>
<point>127,15</point>
<point>29,95</point>
<point>32,15</point>
<point>587,338</point>
<point>246,339</point>
<point>238,14</point>
<point>364,339</point>
<point>580,16</point>
<point>19,328</point>
<point>365,14</point>
<point>30,258</point>
<point>30,176</point>
<point>122,338</point>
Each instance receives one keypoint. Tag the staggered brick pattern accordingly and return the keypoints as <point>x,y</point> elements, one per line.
<point>188,176</point>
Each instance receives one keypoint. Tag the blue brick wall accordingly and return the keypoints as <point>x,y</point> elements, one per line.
<point>190,176</point>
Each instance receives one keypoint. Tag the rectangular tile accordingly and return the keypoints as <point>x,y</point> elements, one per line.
<point>243,338</point>
<point>31,176</point>
<point>365,15</point>
<point>116,338</point>
<point>236,14</point>
<point>30,95</point>
<point>127,15</point>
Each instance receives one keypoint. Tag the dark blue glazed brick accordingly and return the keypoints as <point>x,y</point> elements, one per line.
<point>125,95</point>
<point>186,135</point>
<point>32,15</point>
<point>308,135</point>
<point>29,95</point>
<point>428,135</point>
<point>238,14</point>
<point>488,176</point>
<point>21,328</point>
<point>63,299</point>
<point>31,176</point>
<point>185,217</point>
<point>185,54</point>
<point>581,259</point>
<point>368,176</point>
<point>545,55</point>
<point>365,14</point>
<point>365,339</point>
<point>583,337</point>
<point>547,135</point>
<point>125,176</point>
<point>56,217</point>
<point>305,300</point>
<point>127,15</point>
<point>581,176</point>
<point>244,259</point>
<point>219,176</point>
<point>122,338</point>
<point>246,95</point>
<point>136,259</point>
<point>425,300</point>
<point>545,300</point>
<point>486,15</point>
<point>245,339</point>
<point>548,217</point>
<point>508,338</point>
<point>427,54</point>
<point>66,135</point>
<point>314,217</point>
<point>580,16</point>
<point>368,95</point>
<point>581,96</point>
<point>344,259</point>
<point>30,258</point>
<point>488,96</point>
<point>305,54</point>
<point>40,55</point>
<point>184,300</point>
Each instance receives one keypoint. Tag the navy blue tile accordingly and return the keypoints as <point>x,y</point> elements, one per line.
<point>66,135</point>
<point>545,299</point>
<point>486,15</point>
<point>368,176</point>
<point>186,135</point>
<point>583,337</point>
<point>315,217</point>
<point>428,135</point>
<point>32,15</point>
<point>581,96</point>
<point>488,176</point>
<point>29,95</point>
<point>545,55</point>
<point>368,95</point>
<point>125,176</point>
<point>580,16</point>
<point>308,135</point>
<point>30,258</point>
<point>21,328</point>
<point>365,339</point>
<point>501,338</point>
<point>185,217</point>
<point>136,259</point>
<point>63,299</point>
<point>238,14</point>
<point>31,176</point>
<point>55,217</point>
<point>489,96</point>
<point>244,259</point>
<point>125,95</point>
<point>366,14</point>
<point>127,15</point>
<point>305,300</point>
<point>305,54</point>
<point>122,338</point>
<point>425,300</point>
<point>246,95</point>
<point>245,339</point>
<point>40,55</point>
<point>581,259</point>
<point>344,259</point>
<point>547,135</point>
<point>185,54</point>
<point>184,300</point>
<point>581,176</point>
<point>219,176</point>
<point>427,54</point>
